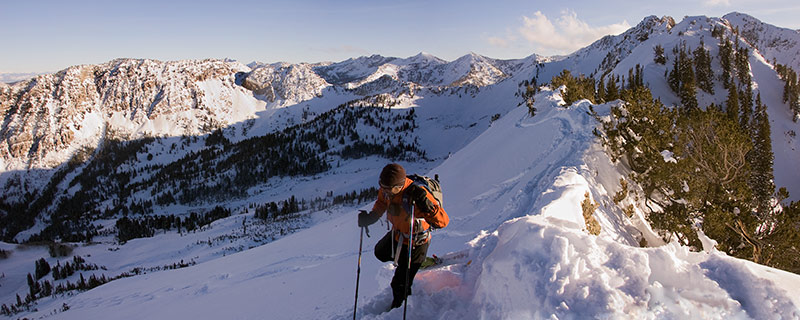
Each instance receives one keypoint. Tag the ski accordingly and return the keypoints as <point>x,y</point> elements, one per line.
<point>447,259</point>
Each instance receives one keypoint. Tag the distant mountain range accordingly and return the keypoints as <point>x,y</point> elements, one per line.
<point>72,114</point>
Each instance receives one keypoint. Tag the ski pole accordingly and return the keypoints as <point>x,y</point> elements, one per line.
<point>358,272</point>
<point>408,266</point>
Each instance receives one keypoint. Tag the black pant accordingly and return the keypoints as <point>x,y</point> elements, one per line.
<point>383,251</point>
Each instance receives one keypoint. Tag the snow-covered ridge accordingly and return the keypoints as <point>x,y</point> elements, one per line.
<point>604,54</point>
<point>291,83</point>
<point>423,69</point>
<point>48,117</point>
<point>773,42</point>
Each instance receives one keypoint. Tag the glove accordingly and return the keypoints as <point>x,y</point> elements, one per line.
<point>420,197</point>
<point>367,218</point>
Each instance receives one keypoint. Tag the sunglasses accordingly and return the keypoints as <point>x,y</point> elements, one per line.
<point>392,189</point>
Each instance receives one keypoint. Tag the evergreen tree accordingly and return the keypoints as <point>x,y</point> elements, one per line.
<point>612,91</point>
<point>782,243</point>
<point>726,60</point>
<point>732,104</point>
<point>33,286</point>
<point>688,87</point>
<point>601,91</point>
<point>713,152</point>
<point>42,268</point>
<point>791,88</point>
<point>658,55</point>
<point>746,104</point>
<point>743,65</point>
<point>577,88</point>
<point>703,72</point>
<point>530,92</point>
<point>761,160</point>
<point>674,77</point>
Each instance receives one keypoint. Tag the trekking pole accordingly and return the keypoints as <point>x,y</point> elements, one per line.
<point>408,266</point>
<point>358,272</point>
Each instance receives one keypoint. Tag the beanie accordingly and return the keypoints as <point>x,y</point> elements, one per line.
<point>393,175</point>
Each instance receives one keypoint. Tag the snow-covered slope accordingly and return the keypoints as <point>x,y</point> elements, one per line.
<point>48,118</point>
<point>515,214</point>
<point>617,55</point>
<point>513,187</point>
<point>286,82</point>
<point>781,44</point>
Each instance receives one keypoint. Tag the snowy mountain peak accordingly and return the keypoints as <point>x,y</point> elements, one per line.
<point>605,53</point>
<point>351,70</point>
<point>781,44</point>
<point>424,58</point>
<point>476,70</point>
<point>51,116</point>
<point>291,83</point>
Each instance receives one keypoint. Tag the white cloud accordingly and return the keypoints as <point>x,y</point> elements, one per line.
<point>564,35</point>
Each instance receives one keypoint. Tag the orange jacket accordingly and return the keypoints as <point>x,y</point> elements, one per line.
<point>398,215</point>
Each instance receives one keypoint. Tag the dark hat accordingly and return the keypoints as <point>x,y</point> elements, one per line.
<point>393,175</point>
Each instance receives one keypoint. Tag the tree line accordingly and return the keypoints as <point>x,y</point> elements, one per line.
<point>145,226</point>
<point>275,210</point>
<point>42,289</point>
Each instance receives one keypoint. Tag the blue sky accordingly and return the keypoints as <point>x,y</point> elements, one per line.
<point>45,35</point>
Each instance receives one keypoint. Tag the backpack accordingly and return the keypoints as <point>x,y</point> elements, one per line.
<point>432,185</point>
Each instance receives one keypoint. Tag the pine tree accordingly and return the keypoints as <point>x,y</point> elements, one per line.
<point>612,91</point>
<point>703,72</point>
<point>577,88</point>
<point>658,55</point>
<point>82,283</point>
<point>674,77</point>
<point>601,91</point>
<point>42,268</point>
<point>33,286</point>
<point>746,104</point>
<point>783,239</point>
<point>726,60</point>
<point>714,167</point>
<point>732,104</point>
<point>762,159</point>
<point>743,65</point>
<point>688,87</point>
<point>791,88</point>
